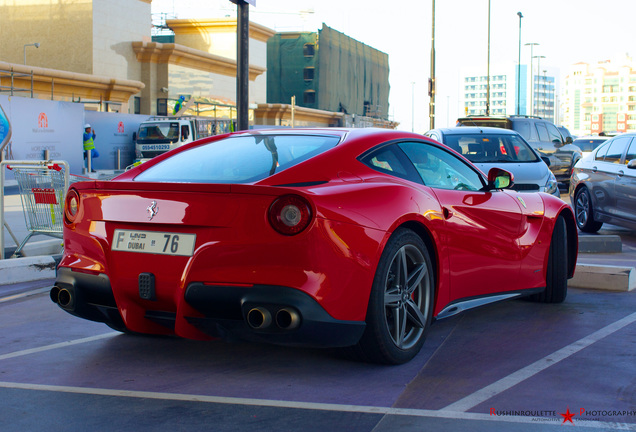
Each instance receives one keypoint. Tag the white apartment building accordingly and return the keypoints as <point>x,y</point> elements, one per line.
<point>600,97</point>
<point>506,96</point>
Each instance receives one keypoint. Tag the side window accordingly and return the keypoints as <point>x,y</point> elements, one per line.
<point>616,149</point>
<point>523,128</point>
<point>554,133</point>
<point>543,132</point>
<point>631,152</point>
<point>602,150</point>
<point>388,161</point>
<point>440,169</point>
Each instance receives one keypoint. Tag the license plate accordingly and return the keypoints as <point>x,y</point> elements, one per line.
<point>155,242</point>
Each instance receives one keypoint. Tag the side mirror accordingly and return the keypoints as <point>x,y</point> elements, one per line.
<point>569,140</point>
<point>134,136</point>
<point>499,179</point>
<point>546,160</point>
<point>631,164</point>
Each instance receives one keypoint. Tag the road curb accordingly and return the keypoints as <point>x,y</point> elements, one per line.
<point>600,244</point>
<point>609,278</point>
<point>19,270</point>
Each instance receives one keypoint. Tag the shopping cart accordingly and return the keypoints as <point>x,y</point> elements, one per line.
<point>42,187</point>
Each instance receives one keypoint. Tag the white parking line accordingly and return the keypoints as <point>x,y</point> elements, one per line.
<point>455,411</point>
<point>515,378</point>
<point>311,406</point>
<point>57,345</point>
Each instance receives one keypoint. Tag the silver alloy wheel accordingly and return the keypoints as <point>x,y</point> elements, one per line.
<point>582,208</point>
<point>407,296</point>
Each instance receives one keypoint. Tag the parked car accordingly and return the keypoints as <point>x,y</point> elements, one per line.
<point>603,185</point>
<point>542,135</point>
<point>589,143</point>
<point>565,133</point>
<point>316,237</point>
<point>489,147</point>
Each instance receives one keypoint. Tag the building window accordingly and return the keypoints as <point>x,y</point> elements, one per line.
<point>309,50</point>
<point>137,105</point>
<point>308,73</point>
<point>309,97</point>
<point>162,107</point>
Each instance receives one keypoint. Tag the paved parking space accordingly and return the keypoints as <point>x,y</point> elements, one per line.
<point>511,365</point>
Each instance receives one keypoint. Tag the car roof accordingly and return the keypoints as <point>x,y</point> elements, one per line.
<point>471,130</point>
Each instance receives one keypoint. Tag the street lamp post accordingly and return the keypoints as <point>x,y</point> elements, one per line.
<point>37,45</point>
<point>532,44</point>
<point>538,79</point>
<point>545,95</point>
<point>519,66</point>
<point>431,80</point>
<point>488,68</point>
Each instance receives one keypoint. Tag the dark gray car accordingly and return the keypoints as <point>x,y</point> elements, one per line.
<point>603,185</point>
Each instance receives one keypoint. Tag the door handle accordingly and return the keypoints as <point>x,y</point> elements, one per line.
<point>594,169</point>
<point>621,173</point>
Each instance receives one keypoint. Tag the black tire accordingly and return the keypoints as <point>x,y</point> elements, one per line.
<point>399,314</point>
<point>584,213</point>
<point>556,283</point>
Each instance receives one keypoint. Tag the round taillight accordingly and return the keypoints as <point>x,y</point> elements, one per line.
<point>71,205</point>
<point>290,214</point>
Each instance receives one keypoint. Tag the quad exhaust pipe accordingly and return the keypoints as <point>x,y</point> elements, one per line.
<point>62,297</point>
<point>260,318</point>
<point>287,319</point>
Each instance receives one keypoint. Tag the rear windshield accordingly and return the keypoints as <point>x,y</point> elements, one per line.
<point>238,159</point>
<point>491,148</point>
<point>589,144</point>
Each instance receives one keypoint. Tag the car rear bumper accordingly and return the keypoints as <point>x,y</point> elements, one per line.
<point>264,313</point>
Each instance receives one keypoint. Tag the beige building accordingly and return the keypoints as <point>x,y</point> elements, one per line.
<point>101,53</point>
<point>600,97</point>
<point>201,63</point>
<point>83,49</point>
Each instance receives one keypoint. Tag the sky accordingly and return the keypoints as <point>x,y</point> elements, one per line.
<point>566,31</point>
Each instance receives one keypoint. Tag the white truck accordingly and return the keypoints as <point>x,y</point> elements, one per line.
<point>162,133</point>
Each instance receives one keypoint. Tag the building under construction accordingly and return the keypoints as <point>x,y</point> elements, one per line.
<point>329,71</point>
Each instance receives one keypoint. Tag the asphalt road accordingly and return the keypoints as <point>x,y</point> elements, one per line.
<point>510,366</point>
